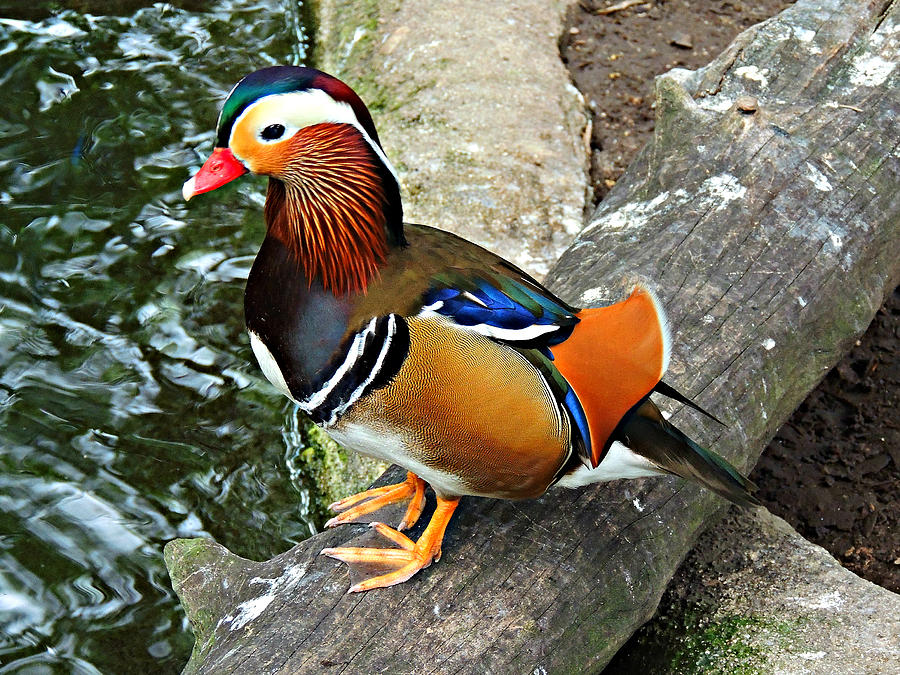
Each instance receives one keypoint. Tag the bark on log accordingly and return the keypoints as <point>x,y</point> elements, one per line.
<point>771,229</point>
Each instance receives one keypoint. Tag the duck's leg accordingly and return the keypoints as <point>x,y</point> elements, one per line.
<point>402,562</point>
<point>355,506</point>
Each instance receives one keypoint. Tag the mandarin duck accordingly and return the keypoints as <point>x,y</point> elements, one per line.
<point>410,344</point>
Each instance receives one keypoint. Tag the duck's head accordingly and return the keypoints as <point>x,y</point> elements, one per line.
<point>333,196</point>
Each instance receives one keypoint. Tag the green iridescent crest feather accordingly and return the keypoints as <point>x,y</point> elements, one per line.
<point>275,80</point>
<point>283,80</point>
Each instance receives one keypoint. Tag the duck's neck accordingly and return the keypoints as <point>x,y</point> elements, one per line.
<point>337,208</point>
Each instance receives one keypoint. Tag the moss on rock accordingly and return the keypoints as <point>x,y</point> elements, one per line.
<point>336,471</point>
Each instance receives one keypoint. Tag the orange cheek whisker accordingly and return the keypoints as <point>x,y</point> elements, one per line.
<point>329,209</point>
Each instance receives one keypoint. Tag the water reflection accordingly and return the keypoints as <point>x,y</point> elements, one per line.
<point>130,412</point>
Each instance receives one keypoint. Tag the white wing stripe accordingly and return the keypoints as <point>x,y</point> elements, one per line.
<point>512,334</point>
<point>376,369</point>
<point>525,334</point>
<point>356,349</point>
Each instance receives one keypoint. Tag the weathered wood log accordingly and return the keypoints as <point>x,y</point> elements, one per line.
<point>770,226</point>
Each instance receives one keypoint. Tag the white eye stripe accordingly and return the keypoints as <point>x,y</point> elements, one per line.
<point>298,109</point>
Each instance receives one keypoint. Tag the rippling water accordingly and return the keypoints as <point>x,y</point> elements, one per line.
<point>130,411</point>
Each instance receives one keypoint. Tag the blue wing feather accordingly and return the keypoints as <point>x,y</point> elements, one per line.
<point>576,412</point>
<point>500,302</point>
<point>566,398</point>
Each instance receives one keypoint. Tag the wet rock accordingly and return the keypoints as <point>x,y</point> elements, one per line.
<point>755,596</point>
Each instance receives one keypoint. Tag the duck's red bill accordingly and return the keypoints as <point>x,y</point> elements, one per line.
<point>221,167</point>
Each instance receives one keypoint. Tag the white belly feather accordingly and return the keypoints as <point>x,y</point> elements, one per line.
<point>390,447</point>
<point>619,462</point>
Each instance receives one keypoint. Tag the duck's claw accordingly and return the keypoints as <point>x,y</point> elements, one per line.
<point>382,567</point>
<point>354,507</point>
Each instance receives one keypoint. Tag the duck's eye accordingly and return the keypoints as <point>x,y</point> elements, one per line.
<point>272,132</point>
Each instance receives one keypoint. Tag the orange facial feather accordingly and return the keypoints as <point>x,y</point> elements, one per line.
<point>328,206</point>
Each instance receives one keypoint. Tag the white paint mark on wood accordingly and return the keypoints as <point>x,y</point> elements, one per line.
<point>249,610</point>
<point>887,29</point>
<point>716,103</point>
<point>806,36</point>
<point>870,70</point>
<point>754,73</point>
<point>595,297</point>
<point>630,215</point>
<point>725,187</point>
<point>836,240</point>
<point>818,179</point>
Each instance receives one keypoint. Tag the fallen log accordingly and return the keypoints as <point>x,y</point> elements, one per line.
<point>766,212</point>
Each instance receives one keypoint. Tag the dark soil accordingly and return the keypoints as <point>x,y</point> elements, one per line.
<point>613,59</point>
<point>833,470</point>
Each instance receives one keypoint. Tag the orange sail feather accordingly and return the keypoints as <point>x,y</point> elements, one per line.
<point>613,359</point>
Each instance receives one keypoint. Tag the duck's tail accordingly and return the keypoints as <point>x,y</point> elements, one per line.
<point>647,434</point>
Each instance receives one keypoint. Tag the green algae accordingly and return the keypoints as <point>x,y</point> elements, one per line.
<point>701,642</point>
<point>337,472</point>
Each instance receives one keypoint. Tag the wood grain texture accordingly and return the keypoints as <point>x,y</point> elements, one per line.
<point>770,236</point>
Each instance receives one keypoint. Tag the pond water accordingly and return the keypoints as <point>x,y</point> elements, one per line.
<point>131,411</point>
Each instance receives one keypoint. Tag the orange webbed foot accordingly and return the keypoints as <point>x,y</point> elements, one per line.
<point>354,507</point>
<point>383,567</point>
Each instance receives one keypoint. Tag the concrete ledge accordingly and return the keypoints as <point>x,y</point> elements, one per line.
<point>476,111</point>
